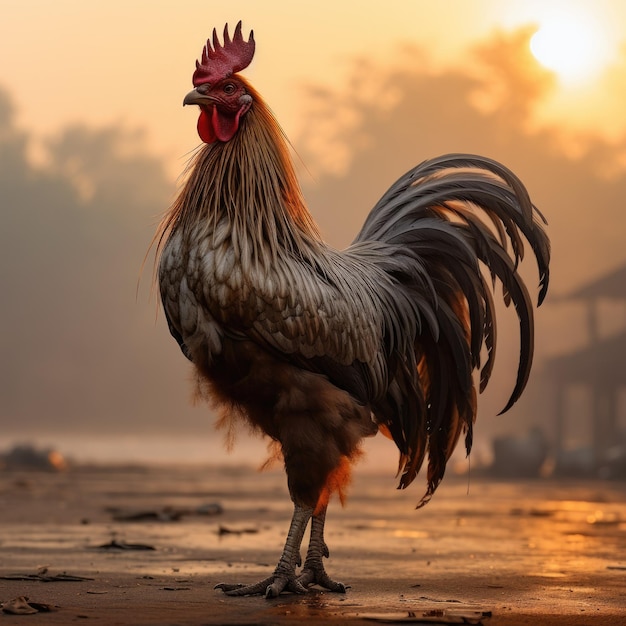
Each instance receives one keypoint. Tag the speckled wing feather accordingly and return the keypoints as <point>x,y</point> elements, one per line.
<point>323,315</point>
<point>338,313</point>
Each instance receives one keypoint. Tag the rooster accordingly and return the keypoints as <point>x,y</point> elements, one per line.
<point>318,348</point>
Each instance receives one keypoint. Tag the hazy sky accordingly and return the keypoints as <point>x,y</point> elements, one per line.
<point>81,191</point>
<point>131,61</point>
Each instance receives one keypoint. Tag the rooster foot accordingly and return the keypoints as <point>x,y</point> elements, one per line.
<point>315,574</point>
<point>284,576</point>
<point>270,587</point>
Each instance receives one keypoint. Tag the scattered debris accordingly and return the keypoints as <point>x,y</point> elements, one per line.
<point>438,600</point>
<point>166,514</point>
<point>224,530</point>
<point>434,616</point>
<point>21,606</point>
<point>212,508</point>
<point>28,457</point>
<point>114,544</point>
<point>43,576</point>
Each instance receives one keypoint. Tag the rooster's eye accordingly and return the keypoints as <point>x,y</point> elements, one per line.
<point>229,88</point>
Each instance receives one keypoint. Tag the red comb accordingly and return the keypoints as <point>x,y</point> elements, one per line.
<point>221,61</point>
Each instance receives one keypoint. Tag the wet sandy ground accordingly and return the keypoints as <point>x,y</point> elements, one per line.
<point>526,552</point>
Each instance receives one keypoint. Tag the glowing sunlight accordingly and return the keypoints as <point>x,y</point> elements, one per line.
<point>572,46</point>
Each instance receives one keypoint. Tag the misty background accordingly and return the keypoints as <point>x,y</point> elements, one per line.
<point>86,354</point>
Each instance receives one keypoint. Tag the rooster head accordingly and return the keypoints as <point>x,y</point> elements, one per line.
<point>222,96</point>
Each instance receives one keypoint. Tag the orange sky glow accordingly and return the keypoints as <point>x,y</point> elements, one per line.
<point>131,62</point>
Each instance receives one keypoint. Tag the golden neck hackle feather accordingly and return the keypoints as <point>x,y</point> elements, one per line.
<point>247,186</point>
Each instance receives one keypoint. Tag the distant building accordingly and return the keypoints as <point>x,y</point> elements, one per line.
<point>600,367</point>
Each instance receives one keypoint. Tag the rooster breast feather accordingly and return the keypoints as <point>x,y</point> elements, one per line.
<point>325,314</point>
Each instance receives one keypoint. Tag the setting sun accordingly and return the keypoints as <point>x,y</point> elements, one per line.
<point>572,46</point>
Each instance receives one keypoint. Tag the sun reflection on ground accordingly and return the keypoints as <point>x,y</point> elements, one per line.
<point>517,539</point>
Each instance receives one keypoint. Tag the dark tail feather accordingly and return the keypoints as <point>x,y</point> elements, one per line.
<point>471,179</point>
<point>449,216</point>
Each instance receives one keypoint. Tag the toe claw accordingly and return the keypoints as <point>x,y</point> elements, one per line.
<point>239,589</point>
<point>296,587</point>
<point>315,574</point>
<point>226,587</point>
<point>271,587</point>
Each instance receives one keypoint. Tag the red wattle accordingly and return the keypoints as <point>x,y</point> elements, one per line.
<point>225,126</point>
<point>215,125</point>
<point>205,127</point>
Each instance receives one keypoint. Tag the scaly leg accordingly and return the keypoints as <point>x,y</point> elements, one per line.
<point>313,572</point>
<point>284,576</point>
